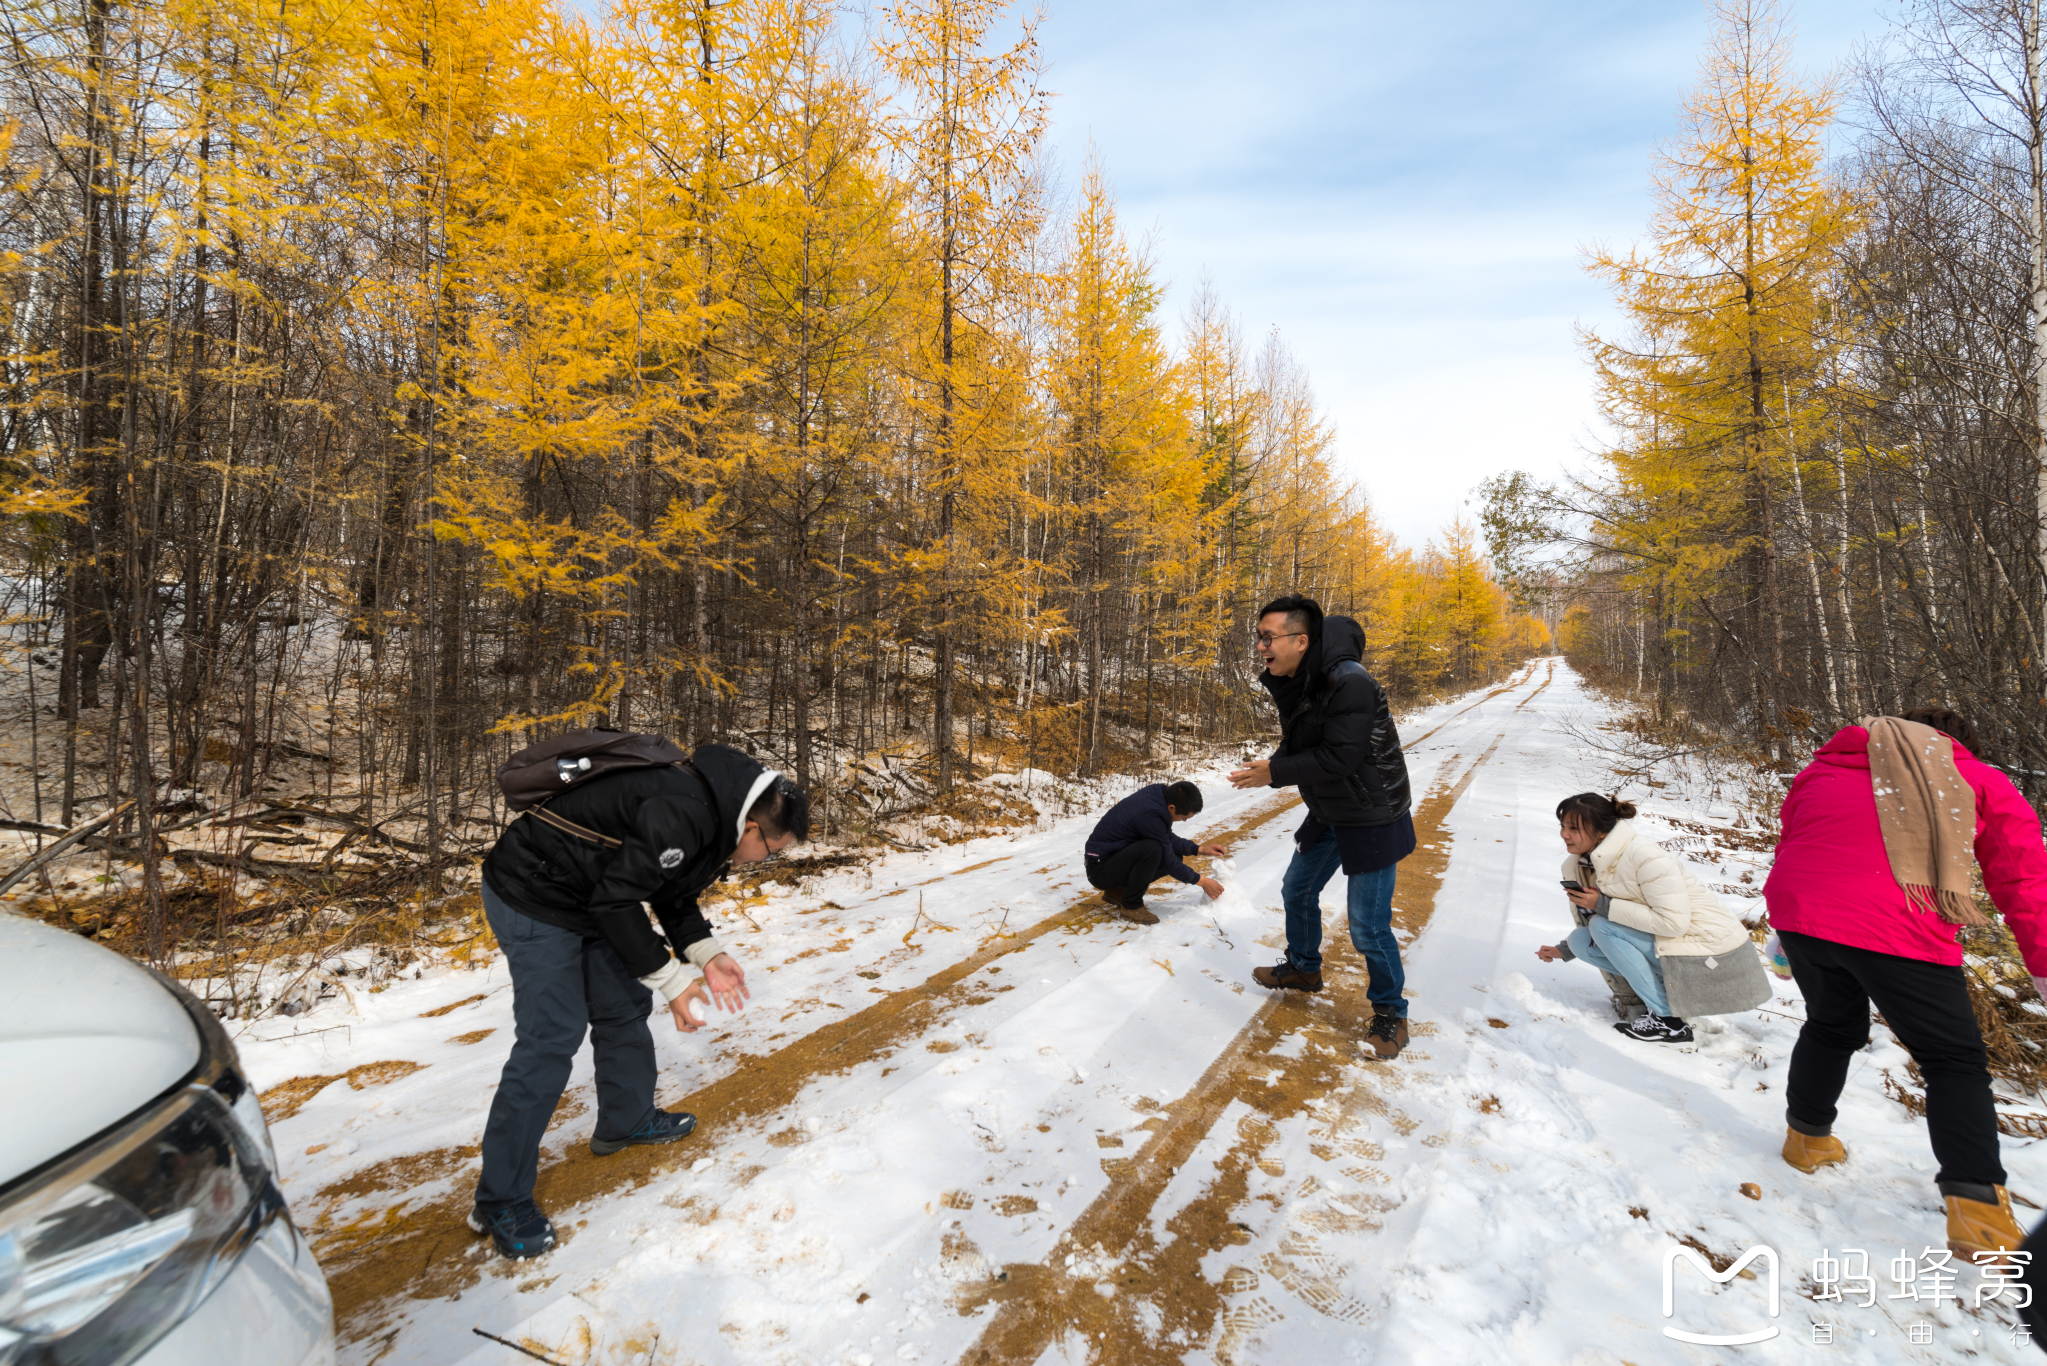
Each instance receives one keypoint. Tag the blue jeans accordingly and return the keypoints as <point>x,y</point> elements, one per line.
<point>1629,952</point>
<point>563,984</point>
<point>1371,920</point>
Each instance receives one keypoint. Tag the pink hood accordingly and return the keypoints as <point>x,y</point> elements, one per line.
<point>1832,879</point>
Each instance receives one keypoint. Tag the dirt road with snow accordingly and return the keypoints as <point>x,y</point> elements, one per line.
<point>970,1118</point>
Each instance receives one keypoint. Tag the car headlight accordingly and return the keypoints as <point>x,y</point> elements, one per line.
<point>107,1249</point>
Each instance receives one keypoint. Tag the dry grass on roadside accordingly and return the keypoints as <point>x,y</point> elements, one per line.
<point>248,947</point>
<point>2014,1024</point>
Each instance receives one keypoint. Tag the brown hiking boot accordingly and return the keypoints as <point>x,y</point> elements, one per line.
<point>1387,1036</point>
<point>1113,895</point>
<point>1285,974</point>
<point>1136,915</point>
<point>1974,1226</point>
<point>1809,1154</point>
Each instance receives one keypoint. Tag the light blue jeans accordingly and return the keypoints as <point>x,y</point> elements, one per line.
<point>1629,952</point>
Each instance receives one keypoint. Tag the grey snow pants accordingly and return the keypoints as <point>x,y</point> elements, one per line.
<point>562,984</point>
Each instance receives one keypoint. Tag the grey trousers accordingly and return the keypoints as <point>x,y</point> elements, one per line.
<point>562,984</point>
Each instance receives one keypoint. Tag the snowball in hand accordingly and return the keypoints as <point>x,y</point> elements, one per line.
<point>1224,870</point>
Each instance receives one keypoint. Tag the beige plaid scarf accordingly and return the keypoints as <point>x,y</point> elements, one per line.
<point>1928,816</point>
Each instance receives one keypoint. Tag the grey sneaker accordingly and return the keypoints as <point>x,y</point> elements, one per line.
<point>662,1126</point>
<point>519,1230</point>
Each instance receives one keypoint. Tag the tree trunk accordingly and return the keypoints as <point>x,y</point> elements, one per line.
<point>2036,224</point>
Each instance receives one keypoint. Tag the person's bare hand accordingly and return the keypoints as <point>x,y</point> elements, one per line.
<point>727,982</point>
<point>1211,886</point>
<point>687,1020</point>
<point>1585,898</point>
<point>1214,851</point>
<point>1255,773</point>
<point>1548,953</point>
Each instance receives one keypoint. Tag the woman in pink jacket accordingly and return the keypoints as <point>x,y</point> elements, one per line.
<point>1871,880</point>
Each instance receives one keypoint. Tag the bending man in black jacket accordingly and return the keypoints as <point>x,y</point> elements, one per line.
<point>571,917</point>
<point>1134,840</point>
<point>1339,745</point>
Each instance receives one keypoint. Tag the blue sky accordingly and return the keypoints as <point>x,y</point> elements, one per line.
<point>1404,191</point>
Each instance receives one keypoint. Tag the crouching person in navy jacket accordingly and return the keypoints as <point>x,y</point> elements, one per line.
<point>569,895</point>
<point>1134,843</point>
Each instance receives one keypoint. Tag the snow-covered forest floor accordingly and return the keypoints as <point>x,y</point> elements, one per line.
<point>968,1118</point>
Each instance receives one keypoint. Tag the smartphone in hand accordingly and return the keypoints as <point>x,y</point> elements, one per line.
<point>1571,886</point>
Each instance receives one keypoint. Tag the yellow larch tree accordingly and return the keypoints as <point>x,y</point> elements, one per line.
<point>966,143</point>
<point>822,283</point>
<point>1135,491</point>
<point>1728,360</point>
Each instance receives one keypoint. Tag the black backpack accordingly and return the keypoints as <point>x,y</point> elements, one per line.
<point>538,772</point>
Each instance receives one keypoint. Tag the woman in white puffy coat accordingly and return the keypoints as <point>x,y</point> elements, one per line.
<point>1646,918</point>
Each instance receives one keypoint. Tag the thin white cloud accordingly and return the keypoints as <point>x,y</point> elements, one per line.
<point>1404,192</point>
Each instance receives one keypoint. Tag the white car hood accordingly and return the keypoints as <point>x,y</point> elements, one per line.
<point>86,1039</point>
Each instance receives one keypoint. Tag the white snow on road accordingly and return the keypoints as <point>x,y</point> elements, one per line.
<point>1505,1191</point>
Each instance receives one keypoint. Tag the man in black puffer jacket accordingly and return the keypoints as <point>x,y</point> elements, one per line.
<point>1339,745</point>
<point>570,912</point>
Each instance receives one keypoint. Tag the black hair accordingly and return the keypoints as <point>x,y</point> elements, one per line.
<point>1949,723</point>
<point>1302,613</point>
<point>1184,797</point>
<point>1594,811</point>
<point>784,809</point>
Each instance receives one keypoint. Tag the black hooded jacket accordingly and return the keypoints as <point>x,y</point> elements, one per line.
<point>1339,744</point>
<point>679,829</point>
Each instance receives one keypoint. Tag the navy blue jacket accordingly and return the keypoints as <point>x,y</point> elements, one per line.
<point>1143,815</point>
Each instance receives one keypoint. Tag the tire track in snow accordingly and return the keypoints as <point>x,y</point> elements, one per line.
<point>1506,687</point>
<point>1037,1304</point>
<point>423,1251</point>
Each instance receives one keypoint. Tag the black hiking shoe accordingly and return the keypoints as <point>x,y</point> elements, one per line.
<point>663,1126</point>
<point>1656,1029</point>
<point>1387,1036</point>
<point>519,1230</point>
<point>1285,974</point>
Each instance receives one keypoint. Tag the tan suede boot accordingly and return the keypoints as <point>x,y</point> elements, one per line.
<point>1809,1154</point>
<point>1973,1226</point>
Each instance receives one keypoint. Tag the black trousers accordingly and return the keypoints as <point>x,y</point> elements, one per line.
<point>1927,1007</point>
<point>563,984</point>
<point>1133,868</point>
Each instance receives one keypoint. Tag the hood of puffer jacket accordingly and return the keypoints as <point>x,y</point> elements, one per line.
<point>1342,639</point>
<point>735,782</point>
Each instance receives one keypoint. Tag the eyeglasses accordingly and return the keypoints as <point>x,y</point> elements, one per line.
<point>1267,637</point>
